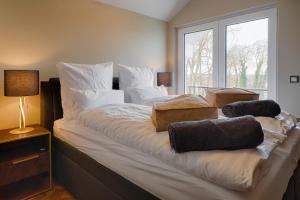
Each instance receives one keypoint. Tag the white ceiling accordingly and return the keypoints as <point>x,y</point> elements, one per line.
<point>161,9</point>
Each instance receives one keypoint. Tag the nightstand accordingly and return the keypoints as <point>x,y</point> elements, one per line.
<point>25,163</point>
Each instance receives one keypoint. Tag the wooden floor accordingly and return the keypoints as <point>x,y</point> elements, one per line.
<point>58,193</point>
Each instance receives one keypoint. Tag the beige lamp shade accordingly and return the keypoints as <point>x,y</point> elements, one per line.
<point>21,83</point>
<point>164,78</point>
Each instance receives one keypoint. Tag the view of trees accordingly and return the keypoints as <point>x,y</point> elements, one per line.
<point>199,67</point>
<point>246,65</point>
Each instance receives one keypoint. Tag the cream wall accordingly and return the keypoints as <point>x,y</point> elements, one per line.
<point>288,38</point>
<point>36,34</point>
<point>289,54</point>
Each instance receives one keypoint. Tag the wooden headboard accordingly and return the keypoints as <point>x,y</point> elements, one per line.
<point>51,108</point>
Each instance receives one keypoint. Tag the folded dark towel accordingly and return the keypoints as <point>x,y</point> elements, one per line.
<point>220,134</point>
<point>266,108</point>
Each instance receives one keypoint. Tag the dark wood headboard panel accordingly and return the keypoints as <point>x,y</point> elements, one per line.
<point>51,108</point>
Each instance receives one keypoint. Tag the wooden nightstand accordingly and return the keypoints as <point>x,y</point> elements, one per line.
<point>25,163</point>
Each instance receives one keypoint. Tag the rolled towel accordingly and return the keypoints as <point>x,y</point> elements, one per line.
<point>264,108</point>
<point>219,134</point>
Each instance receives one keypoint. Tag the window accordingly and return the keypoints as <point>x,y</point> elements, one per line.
<point>233,52</point>
<point>198,61</point>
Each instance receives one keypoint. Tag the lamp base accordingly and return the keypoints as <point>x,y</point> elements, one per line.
<point>21,130</point>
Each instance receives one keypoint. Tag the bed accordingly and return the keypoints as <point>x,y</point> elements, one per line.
<point>87,178</point>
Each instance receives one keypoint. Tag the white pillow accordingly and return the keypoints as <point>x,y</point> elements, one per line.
<point>83,77</point>
<point>138,95</point>
<point>135,76</point>
<point>83,100</point>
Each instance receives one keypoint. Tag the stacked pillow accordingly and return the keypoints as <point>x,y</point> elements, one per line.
<point>138,95</point>
<point>138,84</point>
<point>135,76</point>
<point>86,86</point>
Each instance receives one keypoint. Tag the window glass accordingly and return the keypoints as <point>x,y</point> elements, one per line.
<point>198,48</point>
<point>247,56</point>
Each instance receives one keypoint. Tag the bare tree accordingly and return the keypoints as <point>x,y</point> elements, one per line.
<point>260,51</point>
<point>233,66</point>
<point>199,65</point>
<point>246,63</point>
<point>243,57</point>
<point>237,63</point>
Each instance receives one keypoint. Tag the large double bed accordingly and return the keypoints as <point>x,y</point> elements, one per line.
<point>92,165</point>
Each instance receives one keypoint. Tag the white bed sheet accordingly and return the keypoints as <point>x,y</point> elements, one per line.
<point>166,182</point>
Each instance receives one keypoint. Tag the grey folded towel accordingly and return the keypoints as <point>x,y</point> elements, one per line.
<point>220,134</point>
<point>265,108</point>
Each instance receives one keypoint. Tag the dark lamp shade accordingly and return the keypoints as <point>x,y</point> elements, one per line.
<point>21,82</point>
<point>164,78</point>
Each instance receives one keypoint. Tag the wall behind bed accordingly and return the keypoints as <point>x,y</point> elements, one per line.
<point>36,34</point>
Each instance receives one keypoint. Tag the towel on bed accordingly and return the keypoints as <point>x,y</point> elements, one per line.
<point>219,97</point>
<point>220,134</point>
<point>263,108</point>
<point>182,108</point>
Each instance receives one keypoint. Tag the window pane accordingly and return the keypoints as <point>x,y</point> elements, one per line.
<point>198,61</point>
<point>247,55</point>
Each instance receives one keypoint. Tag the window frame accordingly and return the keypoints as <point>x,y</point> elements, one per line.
<point>219,48</point>
<point>181,54</point>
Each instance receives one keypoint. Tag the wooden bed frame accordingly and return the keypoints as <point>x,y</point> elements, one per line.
<point>84,177</point>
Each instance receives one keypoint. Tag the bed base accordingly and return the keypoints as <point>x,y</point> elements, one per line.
<point>293,189</point>
<point>84,177</point>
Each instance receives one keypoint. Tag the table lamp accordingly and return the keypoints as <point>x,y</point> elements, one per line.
<point>164,78</point>
<point>21,83</point>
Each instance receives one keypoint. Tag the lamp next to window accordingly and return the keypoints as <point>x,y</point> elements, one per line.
<point>164,78</point>
<point>21,83</point>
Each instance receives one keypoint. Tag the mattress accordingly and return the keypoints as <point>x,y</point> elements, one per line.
<point>168,182</point>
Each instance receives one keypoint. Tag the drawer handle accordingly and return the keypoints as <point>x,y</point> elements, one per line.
<point>15,162</point>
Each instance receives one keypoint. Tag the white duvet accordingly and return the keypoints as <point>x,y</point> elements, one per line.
<point>131,125</point>
<point>151,101</point>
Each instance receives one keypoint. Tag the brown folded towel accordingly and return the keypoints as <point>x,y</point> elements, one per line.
<point>265,108</point>
<point>182,108</point>
<point>220,134</point>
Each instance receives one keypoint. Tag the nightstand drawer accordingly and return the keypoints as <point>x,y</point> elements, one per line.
<point>24,167</point>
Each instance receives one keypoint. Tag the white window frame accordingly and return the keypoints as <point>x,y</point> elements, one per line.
<point>219,48</point>
<point>181,76</point>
